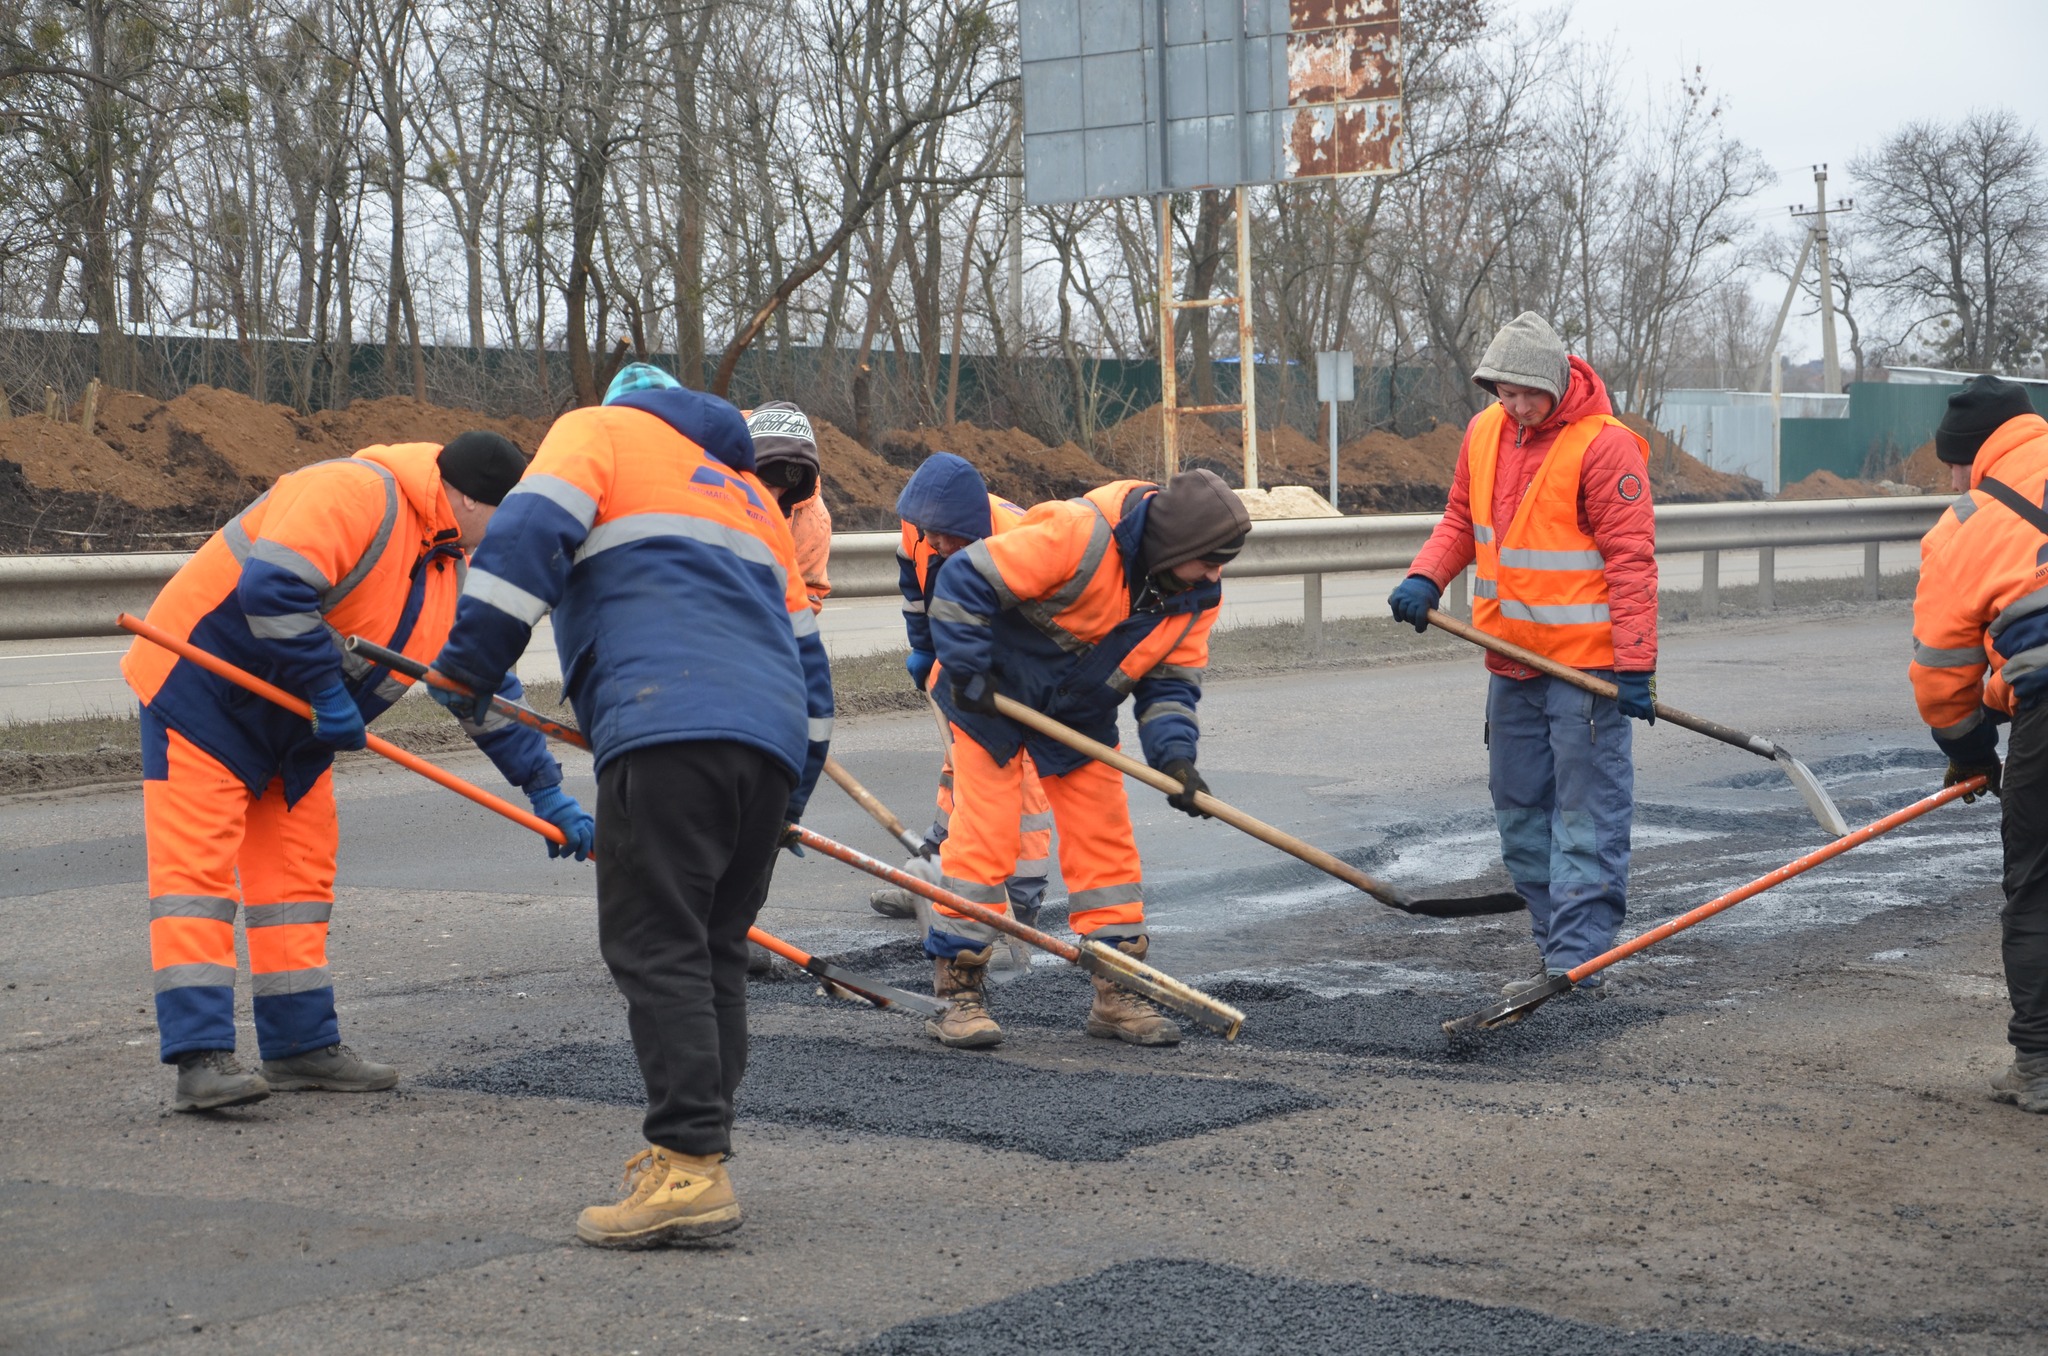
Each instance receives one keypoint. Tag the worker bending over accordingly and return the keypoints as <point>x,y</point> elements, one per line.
<point>238,793</point>
<point>1083,603</point>
<point>1551,499</point>
<point>946,508</point>
<point>1980,656</point>
<point>786,460</point>
<point>691,656</point>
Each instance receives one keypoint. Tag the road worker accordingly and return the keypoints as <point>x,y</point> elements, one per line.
<point>1551,499</point>
<point>236,788</point>
<point>1980,657</point>
<point>1084,602</point>
<point>691,656</point>
<point>786,460</point>
<point>945,508</point>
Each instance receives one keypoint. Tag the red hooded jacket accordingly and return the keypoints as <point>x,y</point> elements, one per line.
<point>1624,528</point>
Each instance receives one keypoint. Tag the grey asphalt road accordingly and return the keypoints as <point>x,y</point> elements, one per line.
<point>1774,1130</point>
<point>52,680</point>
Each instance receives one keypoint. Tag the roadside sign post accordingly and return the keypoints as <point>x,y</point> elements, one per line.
<point>1336,374</point>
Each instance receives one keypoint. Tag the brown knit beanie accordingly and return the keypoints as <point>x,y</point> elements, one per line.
<point>1195,516</point>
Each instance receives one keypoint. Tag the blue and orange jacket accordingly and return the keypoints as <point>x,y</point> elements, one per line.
<point>1980,614</point>
<point>1059,613</point>
<point>945,494</point>
<point>679,610</point>
<point>364,546</point>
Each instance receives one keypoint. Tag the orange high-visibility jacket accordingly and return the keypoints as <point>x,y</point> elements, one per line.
<point>917,575</point>
<point>1541,582</point>
<point>810,527</point>
<point>365,546</point>
<point>1980,615</point>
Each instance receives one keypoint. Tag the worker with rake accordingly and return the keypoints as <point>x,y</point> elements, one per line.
<point>692,658</point>
<point>946,508</point>
<point>238,794</point>
<point>1551,500</point>
<point>1083,603</point>
<point>1980,657</point>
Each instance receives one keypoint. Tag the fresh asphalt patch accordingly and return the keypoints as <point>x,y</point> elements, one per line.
<point>1197,1307</point>
<point>824,1082</point>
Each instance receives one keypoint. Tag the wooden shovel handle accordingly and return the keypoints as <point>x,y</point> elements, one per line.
<point>868,801</point>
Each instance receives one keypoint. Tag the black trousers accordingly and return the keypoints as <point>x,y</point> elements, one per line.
<point>686,839</point>
<point>2024,826</point>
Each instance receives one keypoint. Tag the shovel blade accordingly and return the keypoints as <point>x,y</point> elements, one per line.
<point>1162,988</point>
<point>1509,1010</point>
<point>1464,906</point>
<point>1816,796</point>
<point>875,992</point>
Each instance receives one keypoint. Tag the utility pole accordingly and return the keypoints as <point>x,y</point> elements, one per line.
<point>1830,355</point>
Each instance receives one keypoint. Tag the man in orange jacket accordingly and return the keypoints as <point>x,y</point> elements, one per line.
<point>235,788</point>
<point>1551,500</point>
<point>1980,657</point>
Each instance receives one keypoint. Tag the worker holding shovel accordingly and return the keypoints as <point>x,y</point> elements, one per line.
<point>1551,499</point>
<point>1980,655</point>
<point>1085,602</point>
<point>692,658</point>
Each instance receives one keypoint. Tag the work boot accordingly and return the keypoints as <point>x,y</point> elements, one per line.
<point>1119,1015</point>
<point>966,1025</point>
<point>894,901</point>
<point>1515,988</point>
<point>211,1079</point>
<point>670,1198</point>
<point>2024,1084</point>
<point>335,1069</point>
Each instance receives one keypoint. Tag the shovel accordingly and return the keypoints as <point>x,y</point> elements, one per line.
<point>1817,799</point>
<point>869,990</point>
<point>1475,906</point>
<point>1522,1004</point>
<point>867,800</point>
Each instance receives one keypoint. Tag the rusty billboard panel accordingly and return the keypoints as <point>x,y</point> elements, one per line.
<point>1343,88</point>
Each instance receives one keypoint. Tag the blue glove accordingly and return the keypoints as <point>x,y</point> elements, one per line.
<point>1412,599</point>
<point>560,809</point>
<point>1636,694</point>
<point>919,663</point>
<point>337,720</point>
<point>471,706</point>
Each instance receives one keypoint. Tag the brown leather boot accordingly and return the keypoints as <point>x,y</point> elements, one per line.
<point>671,1198</point>
<point>1119,1015</point>
<point>959,981</point>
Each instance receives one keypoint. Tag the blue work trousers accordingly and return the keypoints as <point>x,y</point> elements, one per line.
<point>1563,794</point>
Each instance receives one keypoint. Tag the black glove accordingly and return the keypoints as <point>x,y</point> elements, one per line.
<point>977,694</point>
<point>1183,771</point>
<point>1990,772</point>
<point>1973,754</point>
<point>789,841</point>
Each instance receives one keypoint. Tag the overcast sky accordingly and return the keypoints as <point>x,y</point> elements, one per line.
<point>1805,81</point>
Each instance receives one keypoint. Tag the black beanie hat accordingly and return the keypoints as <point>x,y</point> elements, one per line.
<point>1195,517</point>
<point>1974,414</point>
<point>483,465</point>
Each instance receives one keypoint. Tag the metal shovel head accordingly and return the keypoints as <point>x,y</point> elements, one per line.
<point>1817,798</point>
<point>1509,1010</point>
<point>1163,989</point>
<point>1464,906</point>
<point>874,991</point>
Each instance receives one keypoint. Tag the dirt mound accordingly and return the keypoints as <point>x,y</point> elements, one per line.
<point>65,458</point>
<point>1016,465</point>
<point>1926,471</point>
<point>860,487</point>
<point>1383,472</point>
<point>1825,484</point>
<point>1678,477</point>
<point>1133,447</point>
<point>402,419</point>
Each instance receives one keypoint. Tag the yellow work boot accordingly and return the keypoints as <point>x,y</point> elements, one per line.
<point>671,1198</point>
<point>1119,1015</point>
<point>959,981</point>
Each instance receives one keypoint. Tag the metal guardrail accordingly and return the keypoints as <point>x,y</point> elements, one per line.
<point>64,597</point>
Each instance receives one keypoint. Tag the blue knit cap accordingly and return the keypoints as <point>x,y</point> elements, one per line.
<point>639,377</point>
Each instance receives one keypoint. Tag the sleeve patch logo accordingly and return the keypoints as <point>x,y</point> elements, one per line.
<point>1630,488</point>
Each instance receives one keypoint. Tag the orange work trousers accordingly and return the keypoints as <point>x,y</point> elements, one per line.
<point>1098,853</point>
<point>212,848</point>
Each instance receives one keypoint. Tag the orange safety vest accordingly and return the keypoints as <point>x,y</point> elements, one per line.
<point>1543,583</point>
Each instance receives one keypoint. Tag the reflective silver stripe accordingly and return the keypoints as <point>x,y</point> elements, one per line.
<point>389,689</point>
<point>1482,587</point>
<point>1963,726</point>
<point>1036,823</point>
<point>237,536</point>
<point>1158,709</point>
<point>2025,662</point>
<point>1928,657</point>
<point>347,583</point>
<point>279,915</point>
<point>1180,671</point>
<point>820,729</point>
<point>193,906</point>
<point>1041,611</point>
<point>946,610</point>
<point>494,720</point>
<point>1105,897</point>
<point>353,666</point>
<point>507,597</point>
<point>984,565</point>
<point>291,562</point>
<point>1481,533</point>
<point>291,624</point>
<point>1120,682</point>
<point>2025,606</point>
<point>648,526</point>
<point>803,622</point>
<point>975,893</point>
<point>913,605</point>
<point>1037,868</point>
<point>278,983</point>
<point>562,495</point>
<point>1519,558</point>
<point>1965,505</point>
<point>1554,614</point>
<point>946,780</point>
<point>194,976</point>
